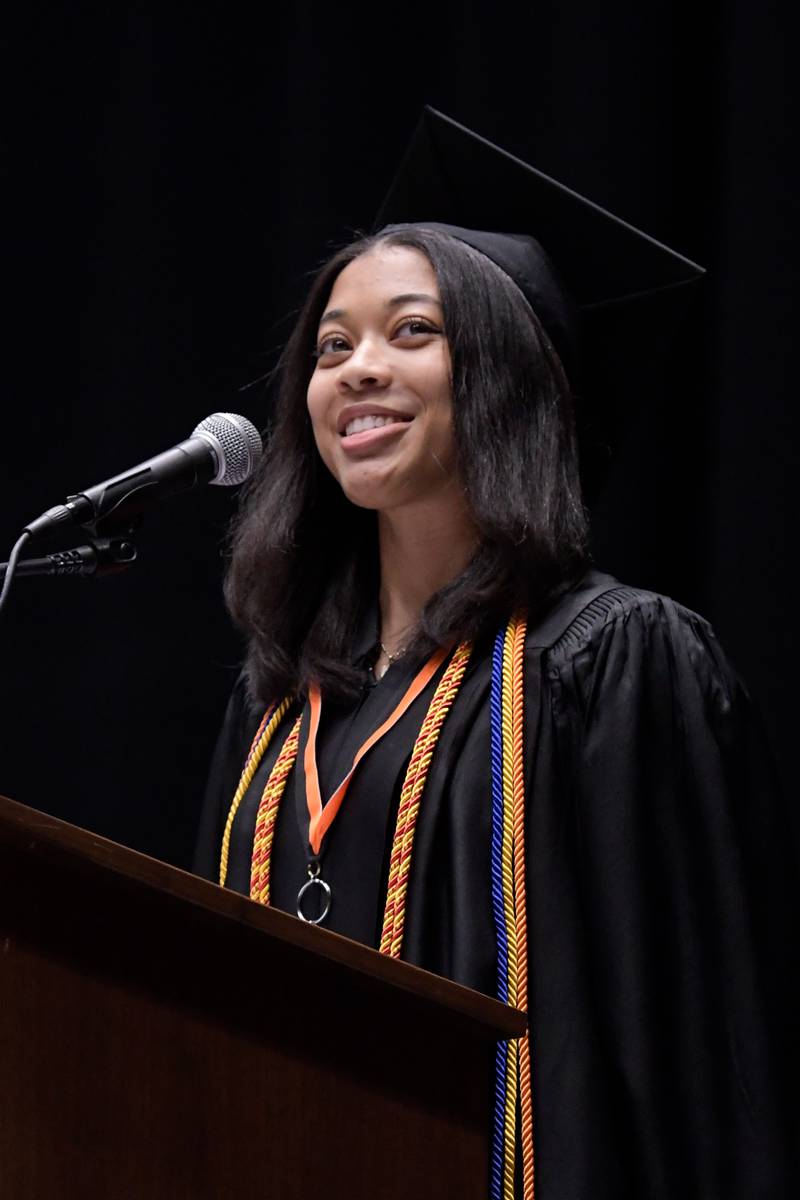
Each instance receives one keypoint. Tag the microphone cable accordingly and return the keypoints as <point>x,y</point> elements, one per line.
<point>11,566</point>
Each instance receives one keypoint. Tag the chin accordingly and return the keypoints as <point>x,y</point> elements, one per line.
<point>366,497</point>
<point>367,489</point>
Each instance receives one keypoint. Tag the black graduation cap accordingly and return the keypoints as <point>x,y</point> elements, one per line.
<point>598,284</point>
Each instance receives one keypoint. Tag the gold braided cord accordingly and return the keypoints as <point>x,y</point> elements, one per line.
<point>257,750</point>
<point>524,1045</point>
<point>267,815</point>
<point>507,856</point>
<point>509,907</point>
<point>410,797</point>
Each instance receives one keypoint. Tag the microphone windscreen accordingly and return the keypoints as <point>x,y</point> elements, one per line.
<point>236,444</point>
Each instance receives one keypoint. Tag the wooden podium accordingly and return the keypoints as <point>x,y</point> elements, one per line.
<point>163,1038</point>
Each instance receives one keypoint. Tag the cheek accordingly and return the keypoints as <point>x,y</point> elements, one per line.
<point>446,441</point>
<point>442,424</point>
<point>439,387</point>
<point>317,406</point>
<point>314,401</point>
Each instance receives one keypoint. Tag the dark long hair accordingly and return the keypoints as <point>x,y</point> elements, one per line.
<point>303,567</point>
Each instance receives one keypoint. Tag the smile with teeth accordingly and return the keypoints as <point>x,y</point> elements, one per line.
<point>361,424</point>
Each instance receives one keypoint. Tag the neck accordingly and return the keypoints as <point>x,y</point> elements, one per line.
<point>420,552</point>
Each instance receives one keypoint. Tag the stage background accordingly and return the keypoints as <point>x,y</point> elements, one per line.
<point>173,179</point>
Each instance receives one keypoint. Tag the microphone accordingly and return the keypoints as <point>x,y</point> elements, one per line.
<point>223,449</point>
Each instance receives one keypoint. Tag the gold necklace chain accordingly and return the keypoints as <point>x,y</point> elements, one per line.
<point>392,658</point>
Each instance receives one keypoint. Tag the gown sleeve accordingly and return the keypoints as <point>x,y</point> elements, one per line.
<point>689,904</point>
<point>226,766</point>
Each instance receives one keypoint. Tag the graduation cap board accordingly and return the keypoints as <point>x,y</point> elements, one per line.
<point>591,278</point>
<point>453,176</point>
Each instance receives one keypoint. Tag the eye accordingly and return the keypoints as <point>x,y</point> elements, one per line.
<point>332,343</point>
<point>415,326</point>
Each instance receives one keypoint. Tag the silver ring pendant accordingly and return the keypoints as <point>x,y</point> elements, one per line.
<point>315,881</point>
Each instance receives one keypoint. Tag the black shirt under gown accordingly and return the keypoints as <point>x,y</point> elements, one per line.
<point>662,918</point>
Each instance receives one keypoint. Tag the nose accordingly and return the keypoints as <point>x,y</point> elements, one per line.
<point>364,368</point>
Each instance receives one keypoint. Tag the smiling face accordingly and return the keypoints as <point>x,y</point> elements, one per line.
<point>380,396</point>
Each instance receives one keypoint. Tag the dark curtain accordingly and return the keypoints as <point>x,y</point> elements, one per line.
<point>173,178</point>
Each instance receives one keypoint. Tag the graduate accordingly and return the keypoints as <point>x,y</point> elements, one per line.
<point>455,741</point>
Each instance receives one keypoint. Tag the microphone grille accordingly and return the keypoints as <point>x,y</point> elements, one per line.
<point>236,443</point>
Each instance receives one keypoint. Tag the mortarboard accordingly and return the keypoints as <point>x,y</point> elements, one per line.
<point>597,284</point>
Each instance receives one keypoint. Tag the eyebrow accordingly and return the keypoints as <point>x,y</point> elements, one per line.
<point>336,314</point>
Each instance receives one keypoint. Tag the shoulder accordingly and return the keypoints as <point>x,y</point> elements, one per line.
<point>604,628</point>
<point>601,606</point>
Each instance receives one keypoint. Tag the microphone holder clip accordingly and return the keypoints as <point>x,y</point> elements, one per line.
<point>98,556</point>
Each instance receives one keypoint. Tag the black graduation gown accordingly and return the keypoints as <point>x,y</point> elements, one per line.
<point>662,923</point>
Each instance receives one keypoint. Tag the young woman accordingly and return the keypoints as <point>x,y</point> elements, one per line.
<point>466,748</point>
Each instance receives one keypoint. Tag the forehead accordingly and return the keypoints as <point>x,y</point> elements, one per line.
<point>381,274</point>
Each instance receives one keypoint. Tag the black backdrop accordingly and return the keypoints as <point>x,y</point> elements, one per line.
<point>173,179</point>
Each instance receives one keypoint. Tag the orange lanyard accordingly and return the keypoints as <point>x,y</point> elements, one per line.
<point>321,818</point>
